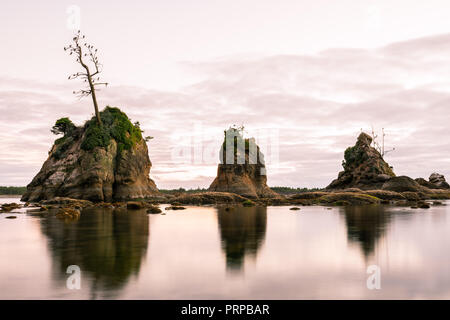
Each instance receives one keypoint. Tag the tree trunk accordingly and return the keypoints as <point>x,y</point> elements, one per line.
<point>94,99</point>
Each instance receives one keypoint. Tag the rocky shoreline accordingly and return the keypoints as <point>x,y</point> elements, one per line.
<point>70,209</point>
<point>109,168</point>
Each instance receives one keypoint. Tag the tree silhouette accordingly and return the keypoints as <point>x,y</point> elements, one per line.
<point>63,126</point>
<point>91,78</point>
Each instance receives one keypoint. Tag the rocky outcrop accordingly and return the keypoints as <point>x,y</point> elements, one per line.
<point>438,180</point>
<point>364,167</point>
<point>402,184</point>
<point>425,183</point>
<point>96,163</point>
<point>243,171</point>
<point>61,202</point>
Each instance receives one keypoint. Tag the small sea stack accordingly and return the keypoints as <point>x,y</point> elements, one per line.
<point>97,163</point>
<point>242,169</point>
<point>364,167</point>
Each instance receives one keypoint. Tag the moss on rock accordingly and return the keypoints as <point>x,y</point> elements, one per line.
<point>116,125</point>
<point>348,198</point>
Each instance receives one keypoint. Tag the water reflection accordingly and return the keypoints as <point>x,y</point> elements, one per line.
<point>366,225</point>
<point>107,245</point>
<point>242,233</point>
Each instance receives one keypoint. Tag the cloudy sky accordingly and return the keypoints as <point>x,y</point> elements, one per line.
<point>304,77</point>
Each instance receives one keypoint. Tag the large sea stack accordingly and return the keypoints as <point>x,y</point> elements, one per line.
<point>96,163</point>
<point>364,167</point>
<point>243,171</point>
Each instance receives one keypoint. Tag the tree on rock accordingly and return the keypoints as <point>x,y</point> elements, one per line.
<point>86,56</point>
<point>63,126</point>
<point>242,168</point>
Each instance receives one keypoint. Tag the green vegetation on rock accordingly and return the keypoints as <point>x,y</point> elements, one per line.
<point>63,126</point>
<point>346,198</point>
<point>63,145</point>
<point>117,126</point>
<point>354,156</point>
<point>66,127</point>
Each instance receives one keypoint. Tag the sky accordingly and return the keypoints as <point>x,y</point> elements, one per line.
<point>303,77</point>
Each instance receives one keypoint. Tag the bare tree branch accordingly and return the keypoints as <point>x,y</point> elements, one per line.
<point>89,53</point>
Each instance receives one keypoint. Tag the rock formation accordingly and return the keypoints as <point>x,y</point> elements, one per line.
<point>364,167</point>
<point>439,181</point>
<point>96,163</point>
<point>436,181</point>
<point>367,174</point>
<point>243,171</point>
<point>402,184</point>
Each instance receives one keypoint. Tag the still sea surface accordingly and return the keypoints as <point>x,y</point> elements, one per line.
<point>247,253</point>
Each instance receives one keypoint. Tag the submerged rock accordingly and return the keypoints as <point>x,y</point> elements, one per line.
<point>241,171</point>
<point>96,163</point>
<point>64,202</point>
<point>423,205</point>
<point>7,207</point>
<point>364,167</point>
<point>135,205</point>
<point>154,210</point>
<point>68,213</point>
<point>175,208</point>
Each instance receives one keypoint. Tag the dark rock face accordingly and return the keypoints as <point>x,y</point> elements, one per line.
<point>439,181</point>
<point>402,184</point>
<point>425,183</point>
<point>436,181</point>
<point>364,167</point>
<point>245,177</point>
<point>100,174</point>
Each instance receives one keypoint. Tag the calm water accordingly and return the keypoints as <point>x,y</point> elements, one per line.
<point>248,253</point>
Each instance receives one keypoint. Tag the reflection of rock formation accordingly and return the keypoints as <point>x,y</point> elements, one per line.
<point>107,246</point>
<point>242,231</point>
<point>366,225</point>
